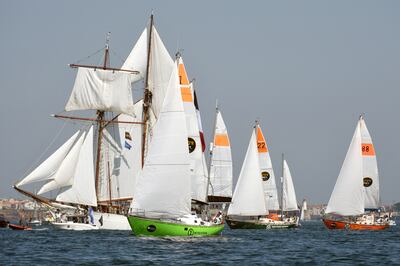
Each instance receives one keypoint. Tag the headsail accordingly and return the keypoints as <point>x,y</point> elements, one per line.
<point>347,198</point>
<point>267,172</point>
<point>248,198</point>
<point>48,168</point>
<point>221,160</point>
<point>370,169</point>
<point>163,187</point>
<point>196,156</point>
<point>289,201</point>
<point>82,190</point>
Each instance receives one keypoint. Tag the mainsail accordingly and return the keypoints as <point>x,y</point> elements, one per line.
<point>248,198</point>
<point>221,160</point>
<point>163,187</point>
<point>348,197</point>
<point>121,157</point>
<point>370,169</point>
<point>289,201</point>
<point>267,172</point>
<point>197,161</point>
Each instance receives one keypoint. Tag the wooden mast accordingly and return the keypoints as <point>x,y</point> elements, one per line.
<point>147,93</point>
<point>100,121</point>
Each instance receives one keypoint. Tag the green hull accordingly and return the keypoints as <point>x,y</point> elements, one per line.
<point>153,227</point>
<point>235,224</point>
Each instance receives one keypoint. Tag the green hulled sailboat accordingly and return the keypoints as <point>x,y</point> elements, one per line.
<point>162,195</point>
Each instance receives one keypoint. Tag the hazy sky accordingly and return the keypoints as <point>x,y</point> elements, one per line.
<point>306,69</point>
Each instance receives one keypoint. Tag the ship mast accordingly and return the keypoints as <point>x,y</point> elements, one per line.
<point>100,122</point>
<point>283,180</point>
<point>147,93</point>
<point>211,152</point>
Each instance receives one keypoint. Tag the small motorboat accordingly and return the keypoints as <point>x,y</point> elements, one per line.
<point>19,227</point>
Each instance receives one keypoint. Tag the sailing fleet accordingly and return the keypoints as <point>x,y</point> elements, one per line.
<point>142,165</point>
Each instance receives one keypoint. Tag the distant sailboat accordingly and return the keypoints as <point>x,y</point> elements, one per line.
<point>248,209</point>
<point>356,191</point>
<point>219,189</point>
<point>290,210</point>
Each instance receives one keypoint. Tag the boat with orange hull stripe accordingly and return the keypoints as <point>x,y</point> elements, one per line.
<point>332,224</point>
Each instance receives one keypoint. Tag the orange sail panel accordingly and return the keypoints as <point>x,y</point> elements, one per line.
<point>261,144</point>
<point>221,140</point>
<point>367,149</point>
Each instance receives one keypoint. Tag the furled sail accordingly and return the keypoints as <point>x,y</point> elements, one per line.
<point>196,156</point>
<point>267,172</point>
<point>289,201</point>
<point>163,186</point>
<point>221,160</point>
<point>47,169</point>
<point>83,189</point>
<point>370,169</point>
<point>248,198</point>
<point>105,90</point>
<point>347,198</point>
<point>121,157</point>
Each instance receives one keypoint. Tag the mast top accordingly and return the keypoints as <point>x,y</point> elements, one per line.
<point>108,36</point>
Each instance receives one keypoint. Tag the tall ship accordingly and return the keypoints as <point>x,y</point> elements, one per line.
<point>355,200</point>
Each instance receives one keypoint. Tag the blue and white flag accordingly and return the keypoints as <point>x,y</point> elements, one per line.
<point>127,145</point>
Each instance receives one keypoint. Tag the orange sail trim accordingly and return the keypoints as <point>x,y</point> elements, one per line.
<point>183,78</point>
<point>367,149</point>
<point>186,94</point>
<point>261,144</point>
<point>221,140</point>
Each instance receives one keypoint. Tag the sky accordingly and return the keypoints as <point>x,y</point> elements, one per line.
<point>305,69</point>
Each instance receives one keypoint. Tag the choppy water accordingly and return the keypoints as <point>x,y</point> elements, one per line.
<point>310,244</point>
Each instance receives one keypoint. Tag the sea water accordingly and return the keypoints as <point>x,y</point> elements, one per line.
<point>311,244</point>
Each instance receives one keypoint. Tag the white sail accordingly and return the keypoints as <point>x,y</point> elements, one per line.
<point>137,59</point>
<point>163,187</point>
<point>289,201</point>
<point>48,168</point>
<point>248,198</point>
<point>64,175</point>
<point>303,209</point>
<point>121,158</point>
<point>98,89</point>
<point>267,172</point>
<point>347,198</point>
<point>370,169</point>
<point>196,156</point>
<point>83,189</point>
<point>221,160</point>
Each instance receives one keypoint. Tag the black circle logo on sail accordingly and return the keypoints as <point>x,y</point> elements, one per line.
<point>192,145</point>
<point>367,181</point>
<point>265,175</point>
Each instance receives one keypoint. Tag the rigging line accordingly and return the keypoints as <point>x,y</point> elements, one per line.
<point>46,150</point>
<point>117,55</point>
<point>89,56</point>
